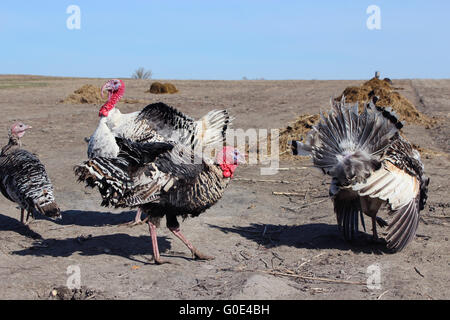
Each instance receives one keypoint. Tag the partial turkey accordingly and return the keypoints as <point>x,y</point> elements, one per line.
<point>160,179</point>
<point>156,122</point>
<point>371,164</point>
<point>24,179</point>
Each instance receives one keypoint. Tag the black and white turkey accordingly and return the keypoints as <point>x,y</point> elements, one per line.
<point>157,122</point>
<point>371,164</point>
<point>161,179</point>
<point>23,178</point>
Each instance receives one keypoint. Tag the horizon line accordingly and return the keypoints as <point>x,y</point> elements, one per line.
<point>191,79</point>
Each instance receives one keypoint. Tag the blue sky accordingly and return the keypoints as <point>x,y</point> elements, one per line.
<point>218,39</point>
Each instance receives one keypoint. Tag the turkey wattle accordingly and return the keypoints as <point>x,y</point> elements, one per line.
<point>24,179</point>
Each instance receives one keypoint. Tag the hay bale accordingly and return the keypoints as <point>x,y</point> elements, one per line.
<point>170,88</point>
<point>159,88</point>
<point>86,94</point>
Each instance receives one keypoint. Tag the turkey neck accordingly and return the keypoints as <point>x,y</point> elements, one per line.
<point>113,119</point>
<point>14,143</point>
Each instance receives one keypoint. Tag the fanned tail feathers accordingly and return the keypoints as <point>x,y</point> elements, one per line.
<point>211,129</point>
<point>347,145</point>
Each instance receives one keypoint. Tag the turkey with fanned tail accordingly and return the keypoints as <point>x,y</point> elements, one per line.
<point>23,178</point>
<point>371,164</point>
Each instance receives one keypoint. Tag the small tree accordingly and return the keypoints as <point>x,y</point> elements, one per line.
<point>141,73</point>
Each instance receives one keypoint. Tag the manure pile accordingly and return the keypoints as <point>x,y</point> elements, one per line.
<point>388,97</point>
<point>86,94</point>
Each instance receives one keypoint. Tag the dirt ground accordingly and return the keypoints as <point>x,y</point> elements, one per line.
<point>266,246</point>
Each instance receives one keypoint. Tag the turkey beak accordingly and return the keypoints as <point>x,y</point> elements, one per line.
<point>28,127</point>
<point>107,86</point>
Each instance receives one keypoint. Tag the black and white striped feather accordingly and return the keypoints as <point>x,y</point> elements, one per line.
<point>158,122</point>
<point>155,176</point>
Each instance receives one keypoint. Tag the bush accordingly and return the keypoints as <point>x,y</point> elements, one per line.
<point>141,73</point>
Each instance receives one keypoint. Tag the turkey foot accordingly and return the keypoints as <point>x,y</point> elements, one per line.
<point>375,238</point>
<point>132,223</point>
<point>137,220</point>
<point>160,261</point>
<point>195,253</point>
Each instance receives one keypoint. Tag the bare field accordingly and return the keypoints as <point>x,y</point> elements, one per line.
<point>266,246</point>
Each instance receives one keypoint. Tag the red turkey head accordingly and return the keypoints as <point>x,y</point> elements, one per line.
<point>228,159</point>
<point>18,129</point>
<point>116,89</point>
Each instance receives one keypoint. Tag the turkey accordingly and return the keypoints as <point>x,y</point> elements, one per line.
<point>160,179</point>
<point>24,179</point>
<point>156,122</point>
<point>371,164</point>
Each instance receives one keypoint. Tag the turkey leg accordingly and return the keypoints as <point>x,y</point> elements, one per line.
<point>374,229</point>
<point>21,215</point>
<point>156,256</point>
<point>195,253</point>
<point>137,220</point>
<point>370,207</point>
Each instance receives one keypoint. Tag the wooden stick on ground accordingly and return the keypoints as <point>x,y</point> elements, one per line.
<point>311,278</point>
<point>308,261</point>
<point>276,193</point>
<point>262,180</point>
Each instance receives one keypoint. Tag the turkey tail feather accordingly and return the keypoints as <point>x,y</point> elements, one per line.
<point>348,210</point>
<point>213,126</point>
<point>347,145</point>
